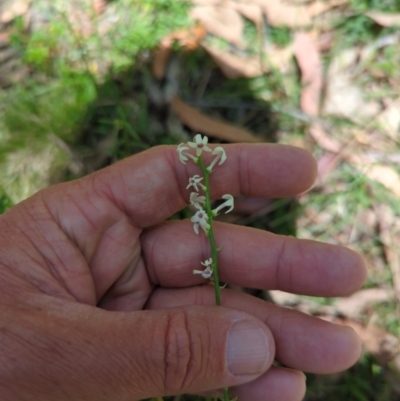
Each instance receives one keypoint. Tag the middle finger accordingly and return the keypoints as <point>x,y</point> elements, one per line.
<point>251,258</point>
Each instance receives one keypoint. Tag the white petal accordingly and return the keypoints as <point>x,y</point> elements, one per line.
<point>198,139</point>
<point>196,228</point>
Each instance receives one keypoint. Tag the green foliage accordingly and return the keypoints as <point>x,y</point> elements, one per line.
<point>368,5</point>
<point>139,26</point>
<point>280,36</point>
<point>364,382</point>
<point>358,29</point>
<point>5,201</point>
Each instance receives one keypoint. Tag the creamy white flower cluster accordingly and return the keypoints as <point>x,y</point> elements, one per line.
<point>201,217</point>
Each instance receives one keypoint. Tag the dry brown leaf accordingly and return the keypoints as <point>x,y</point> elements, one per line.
<point>323,139</point>
<point>389,229</point>
<point>283,13</point>
<point>199,122</point>
<point>384,19</point>
<point>224,22</point>
<point>389,119</point>
<point>251,11</point>
<point>187,38</point>
<point>382,345</point>
<point>307,55</point>
<point>319,7</point>
<point>385,175</point>
<point>234,66</point>
<point>13,9</point>
<point>279,13</point>
<point>354,305</point>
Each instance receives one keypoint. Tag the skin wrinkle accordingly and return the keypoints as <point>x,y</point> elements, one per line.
<point>65,281</point>
<point>52,265</point>
<point>32,278</point>
<point>188,359</point>
<point>149,257</point>
<point>127,240</point>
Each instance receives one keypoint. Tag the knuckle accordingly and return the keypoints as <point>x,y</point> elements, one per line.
<point>182,354</point>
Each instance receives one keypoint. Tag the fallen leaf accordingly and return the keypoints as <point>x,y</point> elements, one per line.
<point>389,119</point>
<point>199,122</point>
<point>188,38</point>
<point>282,13</point>
<point>354,305</point>
<point>234,66</point>
<point>319,7</point>
<point>326,164</point>
<point>308,59</point>
<point>224,22</point>
<point>323,139</point>
<point>385,175</point>
<point>252,12</point>
<point>279,13</point>
<point>382,345</point>
<point>384,19</point>
<point>389,229</point>
<point>13,9</point>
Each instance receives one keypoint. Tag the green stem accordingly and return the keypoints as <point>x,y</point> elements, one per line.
<point>214,249</point>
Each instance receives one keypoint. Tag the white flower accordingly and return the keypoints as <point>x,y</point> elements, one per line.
<point>228,203</point>
<point>199,144</point>
<point>220,154</point>
<point>207,273</point>
<point>197,200</point>
<point>183,156</point>
<point>193,181</point>
<point>200,219</point>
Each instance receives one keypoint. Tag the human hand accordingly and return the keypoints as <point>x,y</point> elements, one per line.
<point>98,300</point>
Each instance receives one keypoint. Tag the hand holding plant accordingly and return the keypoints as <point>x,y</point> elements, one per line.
<point>99,300</point>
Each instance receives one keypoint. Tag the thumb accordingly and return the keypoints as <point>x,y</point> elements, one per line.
<point>79,352</point>
<point>197,349</point>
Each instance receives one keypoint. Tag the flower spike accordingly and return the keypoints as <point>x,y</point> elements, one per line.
<point>200,219</point>
<point>220,154</point>
<point>228,203</point>
<point>199,144</point>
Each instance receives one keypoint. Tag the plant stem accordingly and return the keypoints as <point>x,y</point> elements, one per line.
<point>214,249</point>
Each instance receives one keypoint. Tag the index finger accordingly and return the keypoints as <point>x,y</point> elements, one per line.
<point>151,186</point>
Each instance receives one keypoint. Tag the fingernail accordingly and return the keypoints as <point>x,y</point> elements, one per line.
<point>247,349</point>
